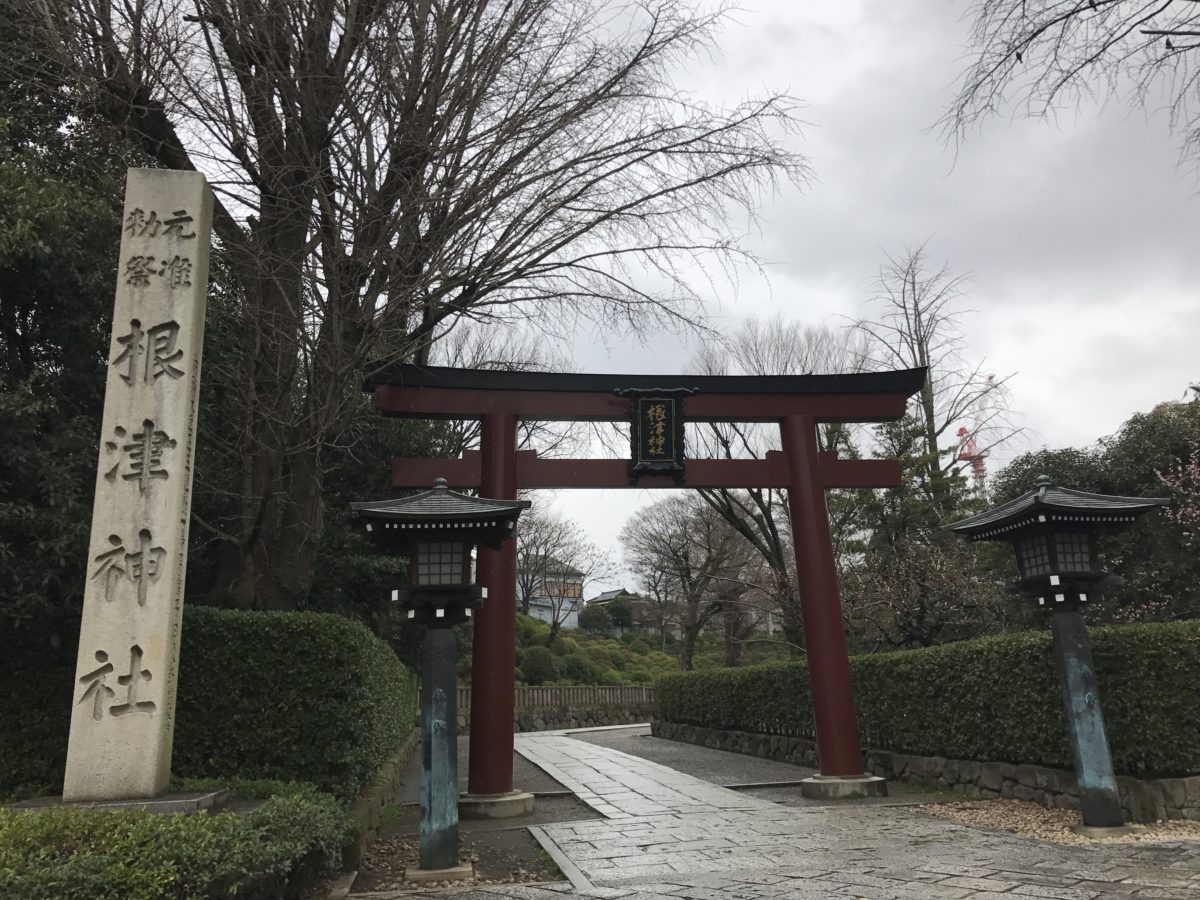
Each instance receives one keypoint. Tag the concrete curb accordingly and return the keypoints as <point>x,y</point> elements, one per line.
<point>573,874</point>
<point>340,888</point>
<point>367,810</point>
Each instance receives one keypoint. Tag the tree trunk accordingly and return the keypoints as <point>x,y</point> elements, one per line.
<point>292,544</point>
<point>687,646</point>
<point>733,646</point>
<point>794,635</point>
<point>269,351</point>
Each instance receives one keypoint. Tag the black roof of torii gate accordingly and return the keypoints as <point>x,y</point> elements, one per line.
<point>903,381</point>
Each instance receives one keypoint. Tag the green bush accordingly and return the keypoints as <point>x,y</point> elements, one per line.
<point>539,666</point>
<point>996,698</point>
<point>564,646</point>
<point>579,669</point>
<point>597,654</point>
<point>531,631</point>
<point>290,696</point>
<point>91,854</point>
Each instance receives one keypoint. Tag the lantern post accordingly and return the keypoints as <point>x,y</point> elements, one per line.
<point>437,530</point>
<point>1053,532</point>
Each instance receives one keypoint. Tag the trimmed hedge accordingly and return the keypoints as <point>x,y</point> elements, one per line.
<point>289,696</point>
<point>996,699</point>
<point>90,854</point>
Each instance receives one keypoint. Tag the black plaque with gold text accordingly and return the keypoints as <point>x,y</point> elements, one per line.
<point>656,431</point>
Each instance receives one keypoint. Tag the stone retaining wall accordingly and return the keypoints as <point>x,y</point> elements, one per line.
<point>570,706</point>
<point>552,719</point>
<point>561,717</point>
<point>1143,799</point>
<point>384,789</point>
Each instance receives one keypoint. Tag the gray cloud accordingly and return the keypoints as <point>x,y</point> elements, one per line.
<point>1081,235</point>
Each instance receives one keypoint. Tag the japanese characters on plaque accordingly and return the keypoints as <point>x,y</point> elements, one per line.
<point>122,716</point>
<point>656,432</point>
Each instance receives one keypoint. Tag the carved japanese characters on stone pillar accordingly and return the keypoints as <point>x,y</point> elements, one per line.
<point>123,711</point>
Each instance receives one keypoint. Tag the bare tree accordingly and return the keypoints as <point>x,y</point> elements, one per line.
<point>922,592</point>
<point>688,552</point>
<point>662,605</point>
<point>916,323</point>
<point>747,605</point>
<point>536,541</point>
<point>385,169</point>
<point>507,349</point>
<point>773,347</point>
<point>1053,53</point>
<point>555,562</point>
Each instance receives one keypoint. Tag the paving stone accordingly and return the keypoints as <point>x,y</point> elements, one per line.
<point>667,834</point>
<point>979,884</point>
<point>1057,893</point>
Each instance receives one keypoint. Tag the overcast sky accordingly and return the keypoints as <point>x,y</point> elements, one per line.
<point>1080,237</point>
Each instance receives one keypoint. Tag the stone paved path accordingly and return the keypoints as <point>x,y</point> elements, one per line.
<point>620,786</point>
<point>667,834</point>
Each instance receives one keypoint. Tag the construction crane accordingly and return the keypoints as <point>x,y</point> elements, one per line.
<point>969,452</point>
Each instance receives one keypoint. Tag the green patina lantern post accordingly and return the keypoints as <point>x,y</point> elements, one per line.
<point>437,530</point>
<point>1053,531</point>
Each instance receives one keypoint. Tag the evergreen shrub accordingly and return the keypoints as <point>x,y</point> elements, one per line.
<point>597,654</point>
<point>290,696</point>
<point>272,852</point>
<point>564,646</point>
<point>539,666</point>
<point>579,669</point>
<point>995,699</point>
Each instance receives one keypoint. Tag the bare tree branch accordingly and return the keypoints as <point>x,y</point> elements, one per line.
<point>1044,55</point>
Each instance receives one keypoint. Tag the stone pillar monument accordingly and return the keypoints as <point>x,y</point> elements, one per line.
<point>123,709</point>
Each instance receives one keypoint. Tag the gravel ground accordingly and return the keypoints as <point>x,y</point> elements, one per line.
<point>511,856</point>
<point>1045,823</point>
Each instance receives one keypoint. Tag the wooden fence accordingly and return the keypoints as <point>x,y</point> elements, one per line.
<point>583,696</point>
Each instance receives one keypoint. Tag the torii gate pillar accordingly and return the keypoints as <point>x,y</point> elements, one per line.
<point>820,601</point>
<point>490,778</point>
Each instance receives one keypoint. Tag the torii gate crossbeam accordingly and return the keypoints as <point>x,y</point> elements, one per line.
<point>797,403</point>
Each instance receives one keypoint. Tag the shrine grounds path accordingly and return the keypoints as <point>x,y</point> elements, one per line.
<point>666,833</point>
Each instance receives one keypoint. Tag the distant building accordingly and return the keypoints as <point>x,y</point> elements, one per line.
<point>640,617</point>
<point>557,593</point>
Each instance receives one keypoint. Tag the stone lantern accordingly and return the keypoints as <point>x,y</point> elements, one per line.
<point>1053,531</point>
<point>438,530</point>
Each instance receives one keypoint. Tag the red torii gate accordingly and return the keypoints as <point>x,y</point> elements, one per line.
<point>798,403</point>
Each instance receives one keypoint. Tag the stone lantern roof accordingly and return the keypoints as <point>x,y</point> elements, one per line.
<point>1046,503</point>
<point>440,512</point>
